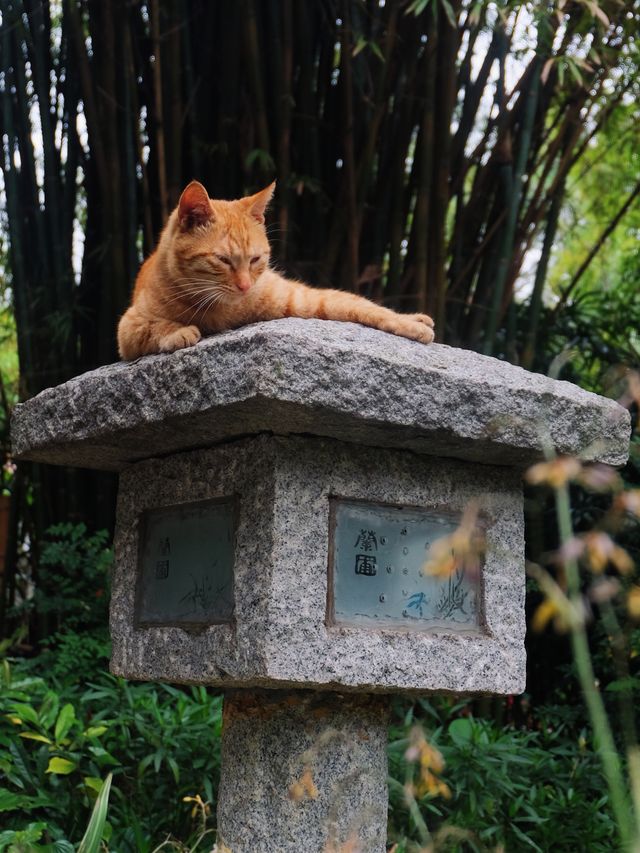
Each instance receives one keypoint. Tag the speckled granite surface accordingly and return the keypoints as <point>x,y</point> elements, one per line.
<point>320,377</point>
<point>273,742</point>
<point>280,637</point>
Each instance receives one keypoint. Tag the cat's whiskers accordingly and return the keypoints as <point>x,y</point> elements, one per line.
<point>192,286</point>
<point>187,296</point>
<point>205,304</point>
<point>212,294</point>
<point>198,288</point>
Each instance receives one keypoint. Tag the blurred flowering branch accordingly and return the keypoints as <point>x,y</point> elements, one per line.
<point>460,551</point>
<point>566,605</point>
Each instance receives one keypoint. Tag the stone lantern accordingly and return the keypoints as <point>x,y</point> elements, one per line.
<point>281,490</point>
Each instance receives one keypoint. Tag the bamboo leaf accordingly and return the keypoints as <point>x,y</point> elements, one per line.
<point>359,45</point>
<point>448,10</point>
<point>262,158</point>
<point>475,14</point>
<point>375,48</point>
<point>142,766</point>
<point>25,712</point>
<point>575,71</point>
<point>597,12</point>
<point>417,7</point>
<point>65,720</point>
<point>61,766</point>
<point>175,770</point>
<point>94,783</point>
<point>546,70</point>
<point>34,736</point>
<point>93,836</point>
<point>95,731</point>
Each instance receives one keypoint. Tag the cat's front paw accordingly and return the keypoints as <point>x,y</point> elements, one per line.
<point>185,336</point>
<point>423,318</point>
<point>419,328</point>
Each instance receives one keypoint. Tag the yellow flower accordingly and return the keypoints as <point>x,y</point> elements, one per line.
<point>305,786</point>
<point>431,764</point>
<point>462,549</point>
<point>600,550</point>
<point>296,791</point>
<point>545,611</point>
<point>431,785</point>
<point>600,478</point>
<point>628,501</point>
<point>556,473</point>
<point>200,805</point>
<point>633,602</point>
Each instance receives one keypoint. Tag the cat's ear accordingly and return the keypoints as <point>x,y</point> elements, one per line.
<point>194,208</point>
<point>258,203</point>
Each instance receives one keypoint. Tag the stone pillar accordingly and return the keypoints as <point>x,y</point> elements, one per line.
<point>303,771</point>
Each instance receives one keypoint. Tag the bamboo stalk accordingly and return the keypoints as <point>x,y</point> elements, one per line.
<point>254,75</point>
<point>350,270</point>
<point>445,99</point>
<point>145,199</point>
<point>511,220</point>
<point>18,272</point>
<point>425,157</point>
<point>71,10</point>
<point>52,188</point>
<point>284,137</point>
<point>158,103</point>
<point>191,101</point>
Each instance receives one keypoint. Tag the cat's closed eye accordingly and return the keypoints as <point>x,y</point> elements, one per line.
<point>224,259</point>
<point>255,259</point>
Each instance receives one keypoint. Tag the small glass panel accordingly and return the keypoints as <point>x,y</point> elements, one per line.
<point>378,568</point>
<point>186,564</point>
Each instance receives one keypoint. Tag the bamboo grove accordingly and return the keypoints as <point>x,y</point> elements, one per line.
<point>421,150</point>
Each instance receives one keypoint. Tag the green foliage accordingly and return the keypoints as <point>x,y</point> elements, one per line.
<point>525,790</point>
<point>71,600</point>
<point>91,840</point>
<point>597,188</point>
<point>511,789</point>
<point>74,577</point>
<point>160,743</point>
<point>74,658</point>
<point>596,336</point>
<point>30,839</point>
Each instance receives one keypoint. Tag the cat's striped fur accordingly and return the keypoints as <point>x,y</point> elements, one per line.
<point>211,272</point>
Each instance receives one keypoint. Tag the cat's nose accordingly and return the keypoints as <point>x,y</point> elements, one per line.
<point>243,281</point>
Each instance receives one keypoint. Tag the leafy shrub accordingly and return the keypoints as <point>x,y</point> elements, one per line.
<point>58,745</point>
<point>524,790</point>
<point>514,790</point>
<point>73,658</point>
<point>73,577</point>
<point>72,601</point>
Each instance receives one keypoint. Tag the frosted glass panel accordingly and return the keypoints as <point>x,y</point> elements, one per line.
<point>186,564</point>
<point>378,573</point>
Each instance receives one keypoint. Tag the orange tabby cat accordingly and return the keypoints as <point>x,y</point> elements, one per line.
<point>211,272</point>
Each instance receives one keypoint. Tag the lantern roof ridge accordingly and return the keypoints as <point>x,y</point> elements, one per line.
<point>324,378</point>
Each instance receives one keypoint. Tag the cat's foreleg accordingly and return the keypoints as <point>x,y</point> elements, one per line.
<point>141,335</point>
<point>347,307</point>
